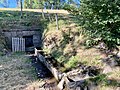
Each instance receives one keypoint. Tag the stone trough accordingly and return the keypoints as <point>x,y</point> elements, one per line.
<point>72,80</point>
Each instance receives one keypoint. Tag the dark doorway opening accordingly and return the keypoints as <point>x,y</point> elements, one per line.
<point>29,45</point>
<point>28,41</point>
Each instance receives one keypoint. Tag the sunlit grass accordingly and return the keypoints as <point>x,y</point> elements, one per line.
<point>16,71</point>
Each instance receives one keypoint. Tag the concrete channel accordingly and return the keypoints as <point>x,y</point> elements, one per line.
<point>72,80</point>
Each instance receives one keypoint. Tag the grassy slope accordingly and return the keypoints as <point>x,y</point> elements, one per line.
<point>15,72</point>
<point>69,39</point>
<point>12,20</point>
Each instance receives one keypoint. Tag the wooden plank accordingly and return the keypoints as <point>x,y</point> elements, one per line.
<point>37,10</point>
<point>18,44</point>
<point>22,44</point>
<point>14,44</point>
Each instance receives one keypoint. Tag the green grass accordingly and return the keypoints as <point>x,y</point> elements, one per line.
<point>71,63</point>
<point>69,40</point>
<point>16,69</point>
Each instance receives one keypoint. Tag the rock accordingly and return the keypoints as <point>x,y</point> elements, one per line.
<point>90,70</point>
<point>118,88</point>
<point>42,83</point>
<point>92,86</point>
<point>107,69</point>
<point>76,84</point>
<point>111,61</point>
<point>61,84</point>
<point>1,66</point>
<point>118,54</point>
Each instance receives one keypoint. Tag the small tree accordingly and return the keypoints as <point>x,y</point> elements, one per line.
<point>101,20</point>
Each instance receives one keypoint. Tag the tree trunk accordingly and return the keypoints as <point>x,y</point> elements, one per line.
<point>43,15</point>
<point>56,17</point>
<point>21,8</point>
<point>49,17</point>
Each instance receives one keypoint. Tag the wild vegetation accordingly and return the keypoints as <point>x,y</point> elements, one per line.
<point>96,25</point>
<point>101,21</point>
<point>16,72</point>
<point>82,37</point>
<point>68,47</point>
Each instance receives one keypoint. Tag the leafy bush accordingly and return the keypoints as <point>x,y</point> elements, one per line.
<point>72,62</point>
<point>101,20</point>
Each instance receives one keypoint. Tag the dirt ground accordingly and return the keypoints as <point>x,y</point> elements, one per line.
<point>17,73</point>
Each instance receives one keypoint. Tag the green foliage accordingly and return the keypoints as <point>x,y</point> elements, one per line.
<point>102,78</point>
<point>72,62</point>
<point>104,81</point>
<point>72,9</point>
<point>12,20</point>
<point>56,4</point>
<point>1,53</point>
<point>18,53</point>
<point>32,4</point>
<point>101,20</point>
<point>37,4</point>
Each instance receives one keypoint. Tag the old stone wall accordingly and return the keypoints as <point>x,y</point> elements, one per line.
<point>23,33</point>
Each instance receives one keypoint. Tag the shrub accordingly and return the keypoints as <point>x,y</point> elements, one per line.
<point>101,20</point>
<point>72,62</point>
